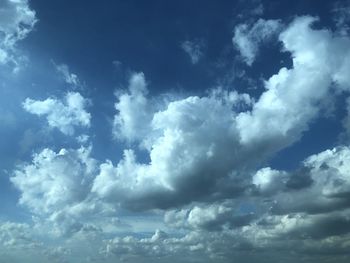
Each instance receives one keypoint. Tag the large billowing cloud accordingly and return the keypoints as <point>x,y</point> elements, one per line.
<point>199,146</point>
<point>17,19</point>
<point>61,115</point>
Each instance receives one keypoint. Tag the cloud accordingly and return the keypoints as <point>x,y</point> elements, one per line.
<point>192,145</point>
<point>194,49</point>
<point>160,247</point>
<point>204,147</point>
<point>61,115</point>
<point>346,122</point>
<point>131,123</point>
<point>70,78</point>
<point>56,188</point>
<point>248,38</point>
<point>327,179</point>
<point>55,180</point>
<point>341,17</point>
<point>15,235</point>
<point>276,120</point>
<point>17,20</point>
<point>208,217</point>
<point>269,181</point>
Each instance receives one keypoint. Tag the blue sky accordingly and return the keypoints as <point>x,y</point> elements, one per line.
<point>174,131</point>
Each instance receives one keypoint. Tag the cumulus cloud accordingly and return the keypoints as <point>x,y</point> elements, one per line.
<point>211,217</point>
<point>203,147</point>
<point>194,49</point>
<point>61,115</point>
<point>269,181</point>
<point>192,145</point>
<point>328,189</point>
<point>56,188</point>
<point>276,119</point>
<point>248,38</point>
<point>54,179</point>
<point>134,111</point>
<point>17,19</point>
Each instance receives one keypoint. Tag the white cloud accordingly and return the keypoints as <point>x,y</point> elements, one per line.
<point>134,111</point>
<point>318,60</point>
<point>207,143</point>
<point>70,78</point>
<point>16,21</point>
<point>194,49</point>
<point>328,190</point>
<point>247,38</point>
<point>192,144</point>
<point>269,181</point>
<point>55,180</point>
<point>61,115</point>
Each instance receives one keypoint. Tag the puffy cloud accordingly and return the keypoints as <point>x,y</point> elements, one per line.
<point>202,148</point>
<point>61,115</point>
<point>322,236</point>
<point>17,19</point>
<point>327,185</point>
<point>55,180</point>
<point>247,38</point>
<point>56,187</point>
<point>134,111</point>
<point>269,181</point>
<point>192,145</point>
<point>276,120</point>
<point>194,49</point>
<point>212,217</point>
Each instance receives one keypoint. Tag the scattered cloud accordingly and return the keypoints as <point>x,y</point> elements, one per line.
<point>134,111</point>
<point>70,78</point>
<point>61,115</point>
<point>17,20</point>
<point>194,49</point>
<point>341,17</point>
<point>247,38</point>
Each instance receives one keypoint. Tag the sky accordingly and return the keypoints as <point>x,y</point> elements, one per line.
<point>174,131</point>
